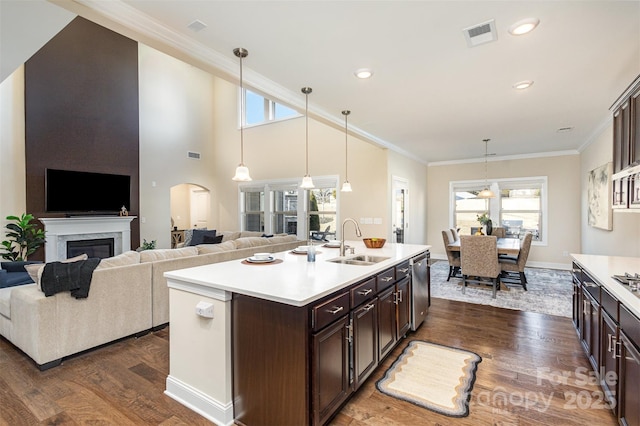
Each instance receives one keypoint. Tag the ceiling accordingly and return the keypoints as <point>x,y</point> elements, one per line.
<point>431,95</point>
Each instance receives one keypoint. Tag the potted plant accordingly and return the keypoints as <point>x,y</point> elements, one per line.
<point>24,238</point>
<point>485,221</point>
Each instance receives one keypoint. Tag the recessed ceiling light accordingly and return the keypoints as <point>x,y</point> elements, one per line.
<point>363,73</point>
<point>524,26</point>
<point>521,85</point>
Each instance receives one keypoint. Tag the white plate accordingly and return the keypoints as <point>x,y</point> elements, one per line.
<point>332,244</point>
<point>254,260</point>
<point>299,250</point>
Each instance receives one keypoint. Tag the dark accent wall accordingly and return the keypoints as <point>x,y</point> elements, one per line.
<point>81,110</point>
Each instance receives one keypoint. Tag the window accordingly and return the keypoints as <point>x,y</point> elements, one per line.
<point>519,207</point>
<point>260,110</point>
<point>277,207</point>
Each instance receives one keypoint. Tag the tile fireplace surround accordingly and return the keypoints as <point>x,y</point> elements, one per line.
<point>61,230</point>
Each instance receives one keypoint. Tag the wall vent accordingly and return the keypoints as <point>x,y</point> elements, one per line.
<point>197,26</point>
<point>481,33</point>
<point>192,154</point>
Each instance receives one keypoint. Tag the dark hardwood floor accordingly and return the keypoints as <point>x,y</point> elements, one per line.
<point>529,375</point>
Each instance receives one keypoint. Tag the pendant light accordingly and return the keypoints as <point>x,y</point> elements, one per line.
<point>486,192</point>
<point>307,182</point>
<point>346,186</point>
<point>242,171</point>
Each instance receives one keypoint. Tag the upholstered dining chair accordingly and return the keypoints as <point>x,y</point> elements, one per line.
<point>452,256</point>
<point>513,267</point>
<point>479,259</point>
<point>499,231</point>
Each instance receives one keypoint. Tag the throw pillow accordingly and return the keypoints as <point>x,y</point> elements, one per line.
<point>198,236</point>
<point>18,265</point>
<point>35,270</point>
<point>207,239</point>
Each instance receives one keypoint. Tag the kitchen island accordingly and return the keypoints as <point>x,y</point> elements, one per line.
<point>301,336</point>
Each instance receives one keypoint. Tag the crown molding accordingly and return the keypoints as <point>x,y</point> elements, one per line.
<point>505,158</point>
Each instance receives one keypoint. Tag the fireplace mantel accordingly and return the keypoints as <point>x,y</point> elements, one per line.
<point>61,230</point>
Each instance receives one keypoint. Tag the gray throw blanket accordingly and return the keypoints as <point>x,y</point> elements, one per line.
<point>74,277</point>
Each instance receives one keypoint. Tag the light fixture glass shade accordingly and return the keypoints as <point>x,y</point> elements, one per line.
<point>242,174</point>
<point>486,193</point>
<point>307,183</point>
<point>346,186</point>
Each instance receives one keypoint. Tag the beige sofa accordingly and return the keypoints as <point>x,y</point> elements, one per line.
<point>128,296</point>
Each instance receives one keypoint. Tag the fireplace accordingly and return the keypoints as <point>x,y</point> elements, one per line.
<point>61,231</point>
<point>97,247</point>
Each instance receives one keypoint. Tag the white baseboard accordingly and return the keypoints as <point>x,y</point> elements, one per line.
<point>546,265</point>
<point>219,413</point>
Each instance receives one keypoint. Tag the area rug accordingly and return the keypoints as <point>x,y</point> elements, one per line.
<point>549,291</point>
<point>436,377</point>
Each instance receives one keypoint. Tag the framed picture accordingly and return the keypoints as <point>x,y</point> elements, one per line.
<point>599,212</point>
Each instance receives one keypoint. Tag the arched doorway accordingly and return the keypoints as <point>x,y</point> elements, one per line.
<point>190,206</point>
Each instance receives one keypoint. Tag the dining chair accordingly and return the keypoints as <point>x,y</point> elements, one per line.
<point>479,259</point>
<point>512,267</point>
<point>452,256</point>
<point>499,232</point>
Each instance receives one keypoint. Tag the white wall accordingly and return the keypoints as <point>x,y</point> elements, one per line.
<point>563,218</point>
<point>624,238</point>
<point>416,174</point>
<point>277,151</point>
<point>13,198</point>
<point>176,116</point>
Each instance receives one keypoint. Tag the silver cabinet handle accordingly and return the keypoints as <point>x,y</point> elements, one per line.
<point>584,307</point>
<point>614,343</point>
<point>616,350</point>
<point>589,284</point>
<point>335,310</point>
<point>609,336</point>
<point>404,270</point>
<point>365,292</point>
<point>386,279</point>
<point>400,296</point>
<point>369,307</point>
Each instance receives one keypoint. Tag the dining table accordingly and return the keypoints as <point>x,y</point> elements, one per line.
<point>509,246</point>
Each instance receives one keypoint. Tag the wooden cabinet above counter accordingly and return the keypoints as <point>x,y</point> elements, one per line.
<point>626,149</point>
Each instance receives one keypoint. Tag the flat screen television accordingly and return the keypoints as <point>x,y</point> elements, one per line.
<point>69,191</point>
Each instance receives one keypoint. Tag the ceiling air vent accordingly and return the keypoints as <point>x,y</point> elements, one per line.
<point>192,154</point>
<point>481,33</point>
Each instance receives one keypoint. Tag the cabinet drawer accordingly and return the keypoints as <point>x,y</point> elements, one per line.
<point>609,303</point>
<point>577,272</point>
<point>402,270</point>
<point>385,279</point>
<point>363,292</point>
<point>630,324</point>
<point>591,285</point>
<point>329,311</point>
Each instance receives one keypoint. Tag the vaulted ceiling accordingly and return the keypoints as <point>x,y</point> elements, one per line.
<point>431,95</point>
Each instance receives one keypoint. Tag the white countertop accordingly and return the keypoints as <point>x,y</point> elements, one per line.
<point>602,268</point>
<point>294,281</point>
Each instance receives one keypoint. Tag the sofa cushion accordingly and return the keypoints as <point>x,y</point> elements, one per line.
<point>282,239</point>
<point>229,235</point>
<point>5,302</point>
<point>247,242</point>
<point>216,248</point>
<point>245,234</point>
<point>127,258</point>
<point>198,235</point>
<point>164,254</point>
<point>35,270</point>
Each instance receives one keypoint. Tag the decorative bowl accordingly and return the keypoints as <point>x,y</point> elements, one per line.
<point>374,242</point>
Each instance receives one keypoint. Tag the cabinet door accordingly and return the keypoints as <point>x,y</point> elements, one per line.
<point>403,306</point>
<point>576,305</point>
<point>620,193</point>
<point>365,341</point>
<point>608,361</point>
<point>585,320</point>
<point>635,127</point>
<point>330,374</point>
<point>629,397</point>
<point>386,322</point>
<point>594,344</point>
<point>621,137</point>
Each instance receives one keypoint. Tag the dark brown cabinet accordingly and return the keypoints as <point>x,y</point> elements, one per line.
<point>386,322</point>
<point>629,399</point>
<point>330,379</point>
<point>577,289</point>
<point>365,341</point>
<point>403,307</point>
<point>608,359</point>
<point>626,149</point>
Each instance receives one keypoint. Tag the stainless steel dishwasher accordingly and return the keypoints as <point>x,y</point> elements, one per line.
<point>420,282</point>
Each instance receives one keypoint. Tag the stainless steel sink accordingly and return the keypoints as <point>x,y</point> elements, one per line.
<point>362,260</point>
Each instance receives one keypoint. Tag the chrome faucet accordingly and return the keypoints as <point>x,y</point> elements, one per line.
<point>358,234</point>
